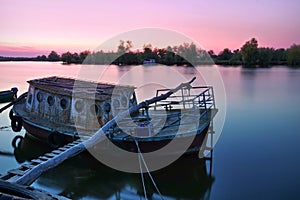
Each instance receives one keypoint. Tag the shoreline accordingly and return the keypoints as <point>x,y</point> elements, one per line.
<point>218,63</point>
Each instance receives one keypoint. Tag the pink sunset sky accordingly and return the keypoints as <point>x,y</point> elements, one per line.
<point>35,27</point>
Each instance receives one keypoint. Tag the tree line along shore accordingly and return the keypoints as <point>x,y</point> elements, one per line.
<point>187,54</point>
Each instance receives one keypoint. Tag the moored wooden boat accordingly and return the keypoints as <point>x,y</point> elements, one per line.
<point>8,95</point>
<point>60,110</point>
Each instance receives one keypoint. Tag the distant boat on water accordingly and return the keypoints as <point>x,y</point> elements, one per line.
<point>149,61</point>
<point>56,112</point>
<point>8,95</point>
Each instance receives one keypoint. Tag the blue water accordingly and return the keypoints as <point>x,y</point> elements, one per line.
<point>256,156</point>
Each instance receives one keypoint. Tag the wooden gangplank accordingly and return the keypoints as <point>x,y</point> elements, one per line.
<point>14,175</point>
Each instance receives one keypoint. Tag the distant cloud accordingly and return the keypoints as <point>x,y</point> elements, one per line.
<point>21,51</point>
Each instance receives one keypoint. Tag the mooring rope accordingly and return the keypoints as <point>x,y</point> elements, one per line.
<point>147,169</point>
<point>142,176</point>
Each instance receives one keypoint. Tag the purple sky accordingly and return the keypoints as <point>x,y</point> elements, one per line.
<point>33,27</point>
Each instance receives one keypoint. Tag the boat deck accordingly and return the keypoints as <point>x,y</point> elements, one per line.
<point>175,125</point>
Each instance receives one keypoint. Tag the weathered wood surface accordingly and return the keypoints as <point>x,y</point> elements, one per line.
<point>19,192</point>
<point>99,136</point>
<point>73,87</point>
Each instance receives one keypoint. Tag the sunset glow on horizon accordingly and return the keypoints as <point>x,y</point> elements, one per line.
<point>33,27</point>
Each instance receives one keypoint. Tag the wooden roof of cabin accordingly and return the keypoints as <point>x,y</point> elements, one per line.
<point>78,88</point>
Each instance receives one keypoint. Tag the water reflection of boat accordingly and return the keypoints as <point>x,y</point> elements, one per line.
<point>187,178</point>
<point>8,95</point>
<point>58,109</point>
<point>85,177</point>
<point>27,148</point>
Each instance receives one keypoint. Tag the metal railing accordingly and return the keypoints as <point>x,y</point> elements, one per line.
<point>188,107</point>
<point>201,97</point>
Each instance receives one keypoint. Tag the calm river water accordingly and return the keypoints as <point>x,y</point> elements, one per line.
<point>256,156</point>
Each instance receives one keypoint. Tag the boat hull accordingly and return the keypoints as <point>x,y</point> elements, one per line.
<point>195,140</point>
<point>42,134</point>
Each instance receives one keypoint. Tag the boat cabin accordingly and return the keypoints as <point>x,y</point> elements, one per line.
<point>86,104</point>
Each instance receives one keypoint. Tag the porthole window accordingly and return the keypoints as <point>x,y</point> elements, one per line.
<point>95,109</point>
<point>116,103</point>
<point>63,103</point>
<point>124,101</point>
<point>39,97</point>
<point>50,100</point>
<point>107,107</point>
<point>79,106</point>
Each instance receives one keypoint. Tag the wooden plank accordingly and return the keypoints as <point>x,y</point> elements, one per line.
<point>50,155</point>
<point>63,148</point>
<point>17,172</point>
<point>13,178</point>
<point>11,191</point>
<point>57,151</point>
<point>29,166</point>
<point>44,158</point>
<point>71,145</point>
<point>37,161</point>
<point>85,137</point>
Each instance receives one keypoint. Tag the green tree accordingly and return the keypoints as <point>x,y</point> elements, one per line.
<point>84,54</point>
<point>236,58</point>
<point>212,54</point>
<point>293,55</point>
<point>191,53</point>
<point>53,56</point>
<point>66,57</point>
<point>147,49</point>
<point>128,46</point>
<point>250,52</point>
<point>265,56</point>
<point>75,58</point>
<point>161,53</point>
<point>226,54</point>
<point>148,53</point>
<point>121,47</point>
<point>41,58</point>
<point>124,47</point>
<point>169,56</point>
<point>279,56</point>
